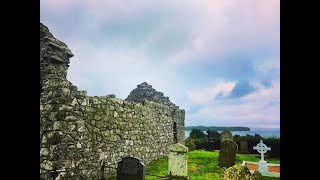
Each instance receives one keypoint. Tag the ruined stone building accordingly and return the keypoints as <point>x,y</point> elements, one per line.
<point>78,132</point>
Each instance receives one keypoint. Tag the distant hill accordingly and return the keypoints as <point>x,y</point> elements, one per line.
<point>216,128</point>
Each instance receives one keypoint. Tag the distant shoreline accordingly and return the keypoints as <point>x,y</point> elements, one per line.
<point>264,132</point>
<point>216,128</point>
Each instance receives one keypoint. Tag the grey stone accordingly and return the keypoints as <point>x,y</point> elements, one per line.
<point>226,135</point>
<point>227,153</point>
<point>178,164</point>
<point>89,129</point>
<point>244,147</point>
<point>115,114</point>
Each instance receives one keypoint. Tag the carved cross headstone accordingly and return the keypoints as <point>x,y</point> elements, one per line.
<point>262,149</point>
<point>209,135</point>
<point>209,145</point>
<point>263,165</point>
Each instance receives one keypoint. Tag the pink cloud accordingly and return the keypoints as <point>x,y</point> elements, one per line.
<point>214,27</point>
<point>205,95</point>
<point>259,109</point>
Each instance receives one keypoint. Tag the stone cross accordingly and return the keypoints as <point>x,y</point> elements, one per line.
<point>209,135</point>
<point>262,149</point>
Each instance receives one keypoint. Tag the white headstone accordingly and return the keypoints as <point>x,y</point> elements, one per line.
<point>262,149</point>
<point>178,164</point>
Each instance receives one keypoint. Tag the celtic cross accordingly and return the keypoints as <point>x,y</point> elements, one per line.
<point>262,149</point>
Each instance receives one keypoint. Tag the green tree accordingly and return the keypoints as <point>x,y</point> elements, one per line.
<point>196,133</point>
<point>215,134</point>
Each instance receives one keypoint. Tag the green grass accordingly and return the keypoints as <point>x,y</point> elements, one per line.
<point>202,165</point>
<point>158,167</point>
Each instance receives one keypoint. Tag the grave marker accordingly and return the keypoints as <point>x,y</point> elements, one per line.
<point>226,135</point>
<point>178,160</point>
<point>262,149</point>
<point>131,168</point>
<point>244,147</point>
<point>227,153</point>
<point>209,145</point>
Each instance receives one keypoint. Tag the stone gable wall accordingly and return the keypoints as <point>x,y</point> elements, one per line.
<point>78,131</point>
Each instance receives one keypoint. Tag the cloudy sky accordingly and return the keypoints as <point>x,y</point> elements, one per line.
<point>217,59</point>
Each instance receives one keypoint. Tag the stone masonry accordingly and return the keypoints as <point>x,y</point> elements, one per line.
<point>78,131</point>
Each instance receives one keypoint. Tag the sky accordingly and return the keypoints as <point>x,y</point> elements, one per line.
<point>217,60</point>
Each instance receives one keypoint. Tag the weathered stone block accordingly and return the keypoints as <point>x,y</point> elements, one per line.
<point>178,160</point>
<point>227,153</point>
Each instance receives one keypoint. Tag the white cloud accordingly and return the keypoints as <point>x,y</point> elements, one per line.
<point>269,67</point>
<point>210,29</point>
<point>207,94</point>
<point>259,109</point>
<point>223,27</point>
<point>115,72</point>
<point>214,27</point>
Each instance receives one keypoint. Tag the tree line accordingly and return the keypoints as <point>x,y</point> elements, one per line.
<point>216,128</point>
<point>199,139</point>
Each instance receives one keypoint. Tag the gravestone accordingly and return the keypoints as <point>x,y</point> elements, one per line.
<point>131,168</point>
<point>244,147</point>
<point>262,149</point>
<point>209,145</point>
<point>226,135</point>
<point>178,160</point>
<point>227,153</point>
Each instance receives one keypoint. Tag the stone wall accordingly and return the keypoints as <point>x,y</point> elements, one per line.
<point>78,131</point>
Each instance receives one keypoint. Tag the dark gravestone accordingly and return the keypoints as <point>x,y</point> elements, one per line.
<point>131,168</point>
<point>227,153</point>
<point>244,147</point>
<point>209,145</point>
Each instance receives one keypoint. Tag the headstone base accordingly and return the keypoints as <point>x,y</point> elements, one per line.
<point>269,174</point>
<point>263,167</point>
<point>178,177</point>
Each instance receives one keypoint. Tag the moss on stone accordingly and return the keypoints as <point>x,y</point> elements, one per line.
<point>239,172</point>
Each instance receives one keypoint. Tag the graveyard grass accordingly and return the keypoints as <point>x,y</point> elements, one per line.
<point>202,165</point>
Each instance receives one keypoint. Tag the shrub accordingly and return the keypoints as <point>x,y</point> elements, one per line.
<point>273,142</point>
<point>190,144</point>
<point>239,172</point>
<point>236,136</point>
<point>200,143</point>
<point>215,134</point>
<point>196,133</point>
